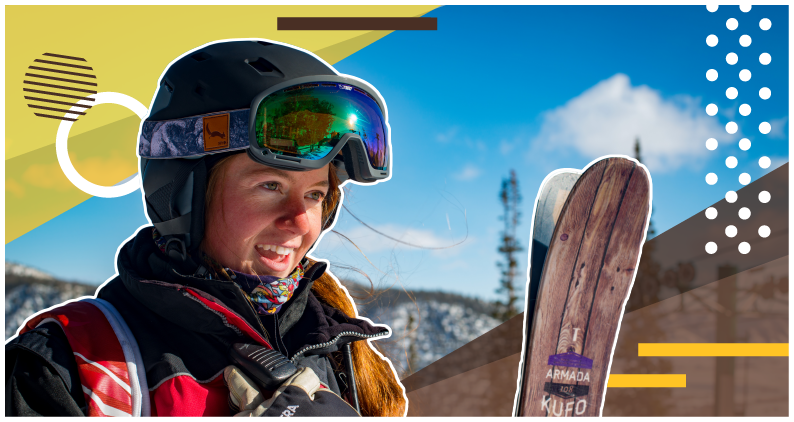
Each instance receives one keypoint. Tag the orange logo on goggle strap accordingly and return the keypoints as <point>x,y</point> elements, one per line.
<point>215,130</point>
<point>214,134</point>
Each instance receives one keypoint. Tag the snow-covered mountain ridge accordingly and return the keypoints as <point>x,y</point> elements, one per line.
<point>425,325</point>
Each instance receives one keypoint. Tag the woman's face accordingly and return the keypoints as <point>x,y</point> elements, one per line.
<point>262,220</point>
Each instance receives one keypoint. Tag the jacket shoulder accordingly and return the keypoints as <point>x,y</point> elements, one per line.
<point>41,374</point>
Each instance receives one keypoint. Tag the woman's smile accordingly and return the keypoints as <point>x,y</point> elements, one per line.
<point>276,258</point>
<point>285,250</point>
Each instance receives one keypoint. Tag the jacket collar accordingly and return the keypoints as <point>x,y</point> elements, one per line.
<point>304,321</point>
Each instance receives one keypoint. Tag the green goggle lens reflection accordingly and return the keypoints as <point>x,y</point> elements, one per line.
<point>308,120</point>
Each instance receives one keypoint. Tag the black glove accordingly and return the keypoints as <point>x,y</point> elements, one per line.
<point>300,395</point>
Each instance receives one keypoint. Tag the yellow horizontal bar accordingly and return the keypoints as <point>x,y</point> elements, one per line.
<point>647,380</point>
<point>712,349</point>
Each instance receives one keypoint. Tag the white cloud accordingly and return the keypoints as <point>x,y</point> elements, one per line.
<point>778,128</point>
<point>506,147</point>
<point>469,172</point>
<point>730,112</point>
<point>448,135</point>
<point>607,118</point>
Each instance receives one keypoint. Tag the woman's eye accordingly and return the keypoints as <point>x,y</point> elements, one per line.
<point>270,185</point>
<point>317,196</point>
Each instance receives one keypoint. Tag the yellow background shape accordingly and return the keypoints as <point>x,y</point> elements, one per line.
<point>646,381</point>
<point>712,349</point>
<point>128,48</point>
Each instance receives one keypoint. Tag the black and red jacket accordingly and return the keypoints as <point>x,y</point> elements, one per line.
<point>184,327</point>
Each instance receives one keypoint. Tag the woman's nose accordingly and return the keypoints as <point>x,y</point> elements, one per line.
<point>294,217</point>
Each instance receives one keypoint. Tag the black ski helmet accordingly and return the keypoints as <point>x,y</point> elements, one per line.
<point>220,76</point>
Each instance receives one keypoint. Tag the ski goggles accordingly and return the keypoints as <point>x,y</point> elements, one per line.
<point>300,125</point>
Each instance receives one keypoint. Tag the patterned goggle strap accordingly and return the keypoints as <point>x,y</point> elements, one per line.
<point>195,136</point>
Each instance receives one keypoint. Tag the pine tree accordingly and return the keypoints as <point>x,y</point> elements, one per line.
<point>651,230</point>
<point>510,198</point>
<point>412,356</point>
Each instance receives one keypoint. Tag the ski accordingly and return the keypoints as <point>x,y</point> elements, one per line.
<point>582,288</point>
<point>551,198</point>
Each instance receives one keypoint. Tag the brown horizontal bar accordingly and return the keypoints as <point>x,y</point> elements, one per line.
<point>74,81</point>
<point>64,64</point>
<point>61,56</point>
<point>57,102</point>
<point>55,117</point>
<point>357,24</point>
<point>57,94</point>
<point>47,69</point>
<point>59,87</point>
<point>55,109</point>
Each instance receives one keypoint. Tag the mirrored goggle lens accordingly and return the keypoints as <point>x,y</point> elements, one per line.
<point>308,120</point>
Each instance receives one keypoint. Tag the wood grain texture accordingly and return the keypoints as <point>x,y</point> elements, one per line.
<point>617,272</point>
<point>580,301</point>
<point>587,266</point>
<point>559,201</point>
<point>548,311</point>
<point>551,199</point>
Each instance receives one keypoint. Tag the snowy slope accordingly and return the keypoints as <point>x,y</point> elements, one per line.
<point>426,326</point>
<point>28,290</point>
<point>23,271</point>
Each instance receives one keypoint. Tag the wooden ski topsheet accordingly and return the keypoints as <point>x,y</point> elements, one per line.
<point>585,283</point>
<point>551,199</point>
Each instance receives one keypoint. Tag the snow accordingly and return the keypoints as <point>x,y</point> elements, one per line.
<point>426,326</point>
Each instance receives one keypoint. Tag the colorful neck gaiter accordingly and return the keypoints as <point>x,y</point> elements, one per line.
<point>158,240</point>
<point>268,293</point>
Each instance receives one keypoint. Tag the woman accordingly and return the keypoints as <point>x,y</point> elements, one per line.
<point>242,157</point>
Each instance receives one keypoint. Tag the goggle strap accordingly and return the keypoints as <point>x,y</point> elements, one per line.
<point>185,137</point>
<point>179,225</point>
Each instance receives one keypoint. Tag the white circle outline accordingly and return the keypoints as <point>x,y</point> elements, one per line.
<point>62,149</point>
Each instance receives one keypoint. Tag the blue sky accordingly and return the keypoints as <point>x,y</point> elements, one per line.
<point>526,88</point>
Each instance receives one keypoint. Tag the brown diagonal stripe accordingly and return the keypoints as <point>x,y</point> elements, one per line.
<point>61,56</point>
<point>85,75</point>
<point>57,94</point>
<point>501,342</point>
<point>686,242</point>
<point>55,109</point>
<point>484,391</point>
<point>64,64</point>
<point>59,87</point>
<point>74,81</point>
<point>56,102</point>
<point>55,117</point>
<point>357,24</point>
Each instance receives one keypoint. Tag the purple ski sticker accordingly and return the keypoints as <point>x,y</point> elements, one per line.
<point>571,359</point>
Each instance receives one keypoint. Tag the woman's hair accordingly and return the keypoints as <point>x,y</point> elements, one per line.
<point>379,392</point>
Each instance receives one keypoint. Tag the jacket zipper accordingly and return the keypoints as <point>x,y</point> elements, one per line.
<point>256,316</point>
<point>301,352</point>
<point>264,332</point>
